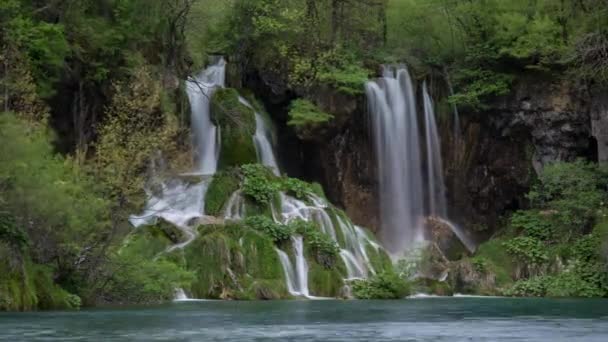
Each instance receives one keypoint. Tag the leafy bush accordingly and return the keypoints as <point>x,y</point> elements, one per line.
<point>385,285</point>
<point>303,113</point>
<point>297,188</point>
<point>277,232</point>
<point>527,249</point>
<point>533,224</point>
<point>259,183</point>
<point>535,287</point>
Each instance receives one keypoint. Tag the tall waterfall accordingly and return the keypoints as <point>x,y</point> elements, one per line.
<point>436,187</point>
<point>392,107</point>
<point>205,133</point>
<point>403,187</point>
<point>178,201</point>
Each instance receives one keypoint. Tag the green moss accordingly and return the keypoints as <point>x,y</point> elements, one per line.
<point>380,261</point>
<point>223,185</point>
<point>304,114</point>
<point>326,282</point>
<point>495,258</point>
<point>234,262</point>
<point>147,242</point>
<point>237,126</point>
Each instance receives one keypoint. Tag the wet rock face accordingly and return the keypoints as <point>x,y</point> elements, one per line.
<point>508,145</point>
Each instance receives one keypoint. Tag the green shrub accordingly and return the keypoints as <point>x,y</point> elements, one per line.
<point>527,249</point>
<point>533,224</point>
<point>305,114</point>
<point>297,188</point>
<point>385,285</point>
<point>259,183</point>
<point>277,232</point>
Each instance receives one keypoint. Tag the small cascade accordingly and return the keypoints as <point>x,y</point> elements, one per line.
<point>205,133</point>
<point>180,295</point>
<point>352,245</point>
<point>290,274</point>
<point>235,209</point>
<point>301,265</point>
<point>436,186</point>
<point>263,140</point>
<point>392,108</point>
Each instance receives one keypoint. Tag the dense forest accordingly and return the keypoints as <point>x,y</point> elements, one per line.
<point>93,94</point>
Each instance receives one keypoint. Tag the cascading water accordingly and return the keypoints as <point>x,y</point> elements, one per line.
<point>263,140</point>
<point>392,107</point>
<point>353,241</point>
<point>436,187</point>
<point>205,133</point>
<point>179,202</point>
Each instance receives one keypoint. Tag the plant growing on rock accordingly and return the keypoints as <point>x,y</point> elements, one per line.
<point>385,285</point>
<point>277,232</point>
<point>259,183</point>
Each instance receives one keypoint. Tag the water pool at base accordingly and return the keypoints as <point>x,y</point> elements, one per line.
<point>420,319</point>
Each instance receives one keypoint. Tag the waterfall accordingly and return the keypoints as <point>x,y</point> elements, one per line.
<point>436,187</point>
<point>301,265</point>
<point>180,202</point>
<point>262,140</point>
<point>392,107</point>
<point>205,133</point>
<point>397,142</point>
<point>352,245</point>
<point>235,209</point>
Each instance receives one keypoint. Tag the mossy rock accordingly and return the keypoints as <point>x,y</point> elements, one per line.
<point>326,282</point>
<point>237,127</point>
<point>223,185</point>
<point>380,261</point>
<point>234,262</point>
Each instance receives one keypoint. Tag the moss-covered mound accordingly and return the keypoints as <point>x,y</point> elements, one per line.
<point>234,262</point>
<point>223,185</point>
<point>237,126</point>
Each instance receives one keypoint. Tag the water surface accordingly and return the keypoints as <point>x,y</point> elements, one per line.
<point>425,319</point>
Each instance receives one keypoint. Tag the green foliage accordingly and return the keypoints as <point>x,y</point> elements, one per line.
<point>533,224</point>
<point>259,183</point>
<point>385,285</point>
<point>11,233</point>
<point>223,185</point>
<point>297,188</point>
<point>305,114</point>
<point>55,203</point>
<point>136,280</point>
<point>527,249</point>
<point>277,232</point>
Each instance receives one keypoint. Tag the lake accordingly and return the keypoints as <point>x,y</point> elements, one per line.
<point>418,319</point>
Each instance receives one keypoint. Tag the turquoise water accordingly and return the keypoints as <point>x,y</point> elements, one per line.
<point>425,319</point>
